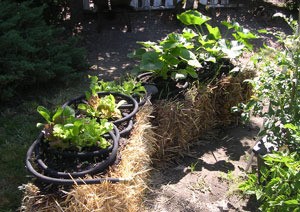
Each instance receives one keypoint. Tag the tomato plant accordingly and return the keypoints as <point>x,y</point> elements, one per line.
<point>276,98</point>
<point>278,188</point>
<point>277,88</point>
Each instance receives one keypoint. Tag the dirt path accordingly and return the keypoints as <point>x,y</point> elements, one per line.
<point>206,178</point>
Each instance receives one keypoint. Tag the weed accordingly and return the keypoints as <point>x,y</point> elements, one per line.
<point>200,185</point>
<point>192,167</point>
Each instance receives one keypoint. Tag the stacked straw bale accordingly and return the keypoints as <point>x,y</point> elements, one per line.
<point>229,92</point>
<point>182,121</point>
<point>135,164</point>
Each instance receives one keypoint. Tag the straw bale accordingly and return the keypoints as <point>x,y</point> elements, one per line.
<point>231,91</point>
<point>179,122</point>
<point>135,164</point>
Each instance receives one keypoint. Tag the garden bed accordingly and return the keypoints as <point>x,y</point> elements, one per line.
<point>217,100</point>
<point>177,126</point>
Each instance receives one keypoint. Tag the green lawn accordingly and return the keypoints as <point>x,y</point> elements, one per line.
<point>17,131</point>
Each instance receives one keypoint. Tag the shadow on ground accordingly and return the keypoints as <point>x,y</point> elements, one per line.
<point>108,50</point>
<point>206,178</point>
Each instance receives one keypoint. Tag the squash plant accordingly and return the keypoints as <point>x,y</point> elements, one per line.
<point>183,55</point>
<point>64,130</point>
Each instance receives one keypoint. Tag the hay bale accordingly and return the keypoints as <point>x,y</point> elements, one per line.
<point>135,165</point>
<point>179,122</point>
<point>228,93</point>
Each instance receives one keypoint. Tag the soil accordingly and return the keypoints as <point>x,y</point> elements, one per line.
<point>206,178</point>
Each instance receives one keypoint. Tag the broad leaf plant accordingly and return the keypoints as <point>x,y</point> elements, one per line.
<point>182,55</point>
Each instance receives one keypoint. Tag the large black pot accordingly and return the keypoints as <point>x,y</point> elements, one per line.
<point>37,155</point>
<point>160,88</point>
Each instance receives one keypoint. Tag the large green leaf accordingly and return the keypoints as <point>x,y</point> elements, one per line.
<point>175,40</point>
<point>214,31</point>
<point>188,33</point>
<point>45,113</point>
<point>147,44</point>
<point>189,57</point>
<point>232,51</point>
<point>246,34</point>
<point>68,112</point>
<point>57,114</point>
<point>192,17</point>
<point>169,44</point>
<point>171,59</point>
<point>151,61</point>
<point>227,24</point>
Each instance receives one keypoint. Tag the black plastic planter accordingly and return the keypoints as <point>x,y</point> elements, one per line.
<point>161,88</point>
<point>140,100</point>
<point>50,175</point>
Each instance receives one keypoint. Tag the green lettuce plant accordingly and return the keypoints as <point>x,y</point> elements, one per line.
<point>102,107</point>
<point>128,87</point>
<point>64,130</point>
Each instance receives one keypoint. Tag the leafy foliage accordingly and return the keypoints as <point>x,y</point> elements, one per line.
<point>278,188</point>
<point>106,106</point>
<point>182,55</point>
<point>277,88</point>
<point>102,107</point>
<point>31,51</point>
<point>64,130</point>
<point>127,87</point>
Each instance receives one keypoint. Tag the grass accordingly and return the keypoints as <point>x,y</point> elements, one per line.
<point>233,180</point>
<point>192,167</point>
<point>17,131</point>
